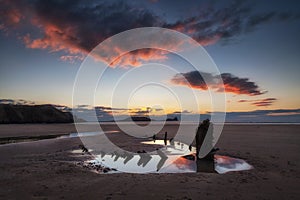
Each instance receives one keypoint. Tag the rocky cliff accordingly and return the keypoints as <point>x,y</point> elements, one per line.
<point>10,114</point>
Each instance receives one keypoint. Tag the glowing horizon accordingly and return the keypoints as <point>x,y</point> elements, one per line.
<point>41,53</point>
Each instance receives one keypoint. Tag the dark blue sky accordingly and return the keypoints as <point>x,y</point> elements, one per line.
<point>43,43</point>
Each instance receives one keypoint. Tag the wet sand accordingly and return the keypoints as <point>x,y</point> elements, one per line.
<point>47,169</point>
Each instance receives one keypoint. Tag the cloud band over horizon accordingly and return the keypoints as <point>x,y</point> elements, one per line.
<point>231,83</point>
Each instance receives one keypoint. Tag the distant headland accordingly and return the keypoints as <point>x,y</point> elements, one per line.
<point>19,114</point>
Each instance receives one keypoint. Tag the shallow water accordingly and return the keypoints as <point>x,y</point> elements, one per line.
<point>85,134</point>
<point>220,164</point>
<point>20,139</point>
<point>175,157</point>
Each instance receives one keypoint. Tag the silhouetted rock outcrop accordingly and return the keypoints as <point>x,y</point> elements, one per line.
<point>172,119</point>
<point>15,114</point>
<point>140,119</point>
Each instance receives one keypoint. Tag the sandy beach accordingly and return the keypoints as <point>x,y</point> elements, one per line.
<point>47,169</point>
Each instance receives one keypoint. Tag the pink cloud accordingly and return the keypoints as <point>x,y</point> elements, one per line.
<point>260,102</point>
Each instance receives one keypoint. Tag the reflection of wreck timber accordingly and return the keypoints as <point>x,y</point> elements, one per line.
<point>206,164</point>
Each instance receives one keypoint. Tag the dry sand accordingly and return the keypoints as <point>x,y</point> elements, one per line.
<point>46,169</point>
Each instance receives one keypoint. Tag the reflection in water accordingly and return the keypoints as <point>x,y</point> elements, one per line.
<point>179,159</point>
<point>227,164</point>
<point>221,165</point>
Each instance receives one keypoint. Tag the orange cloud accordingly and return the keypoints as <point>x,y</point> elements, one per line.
<point>259,102</point>
<point>236,89</point>
<point>10,15</point>
<point>62,33</point>
<point>55,39</point>
<point>75,27</point>
<point>210,41</point>
<point>136,58</point>
<point>14,16</point>
<point>231,83</point>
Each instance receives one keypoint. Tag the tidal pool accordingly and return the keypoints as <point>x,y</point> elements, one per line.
<point>174,157</point>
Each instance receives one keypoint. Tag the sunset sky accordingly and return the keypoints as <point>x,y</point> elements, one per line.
<point>255,45</point>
